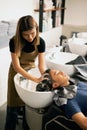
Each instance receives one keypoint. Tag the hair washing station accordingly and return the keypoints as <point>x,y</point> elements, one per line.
<point>77,44</point>
<point>35,101</point>
<point>41,113</point>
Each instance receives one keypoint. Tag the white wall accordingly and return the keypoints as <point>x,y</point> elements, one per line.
<point>13,9</point>
<point>75,13</point>
<point>4,66</point>
<point>51,37</point>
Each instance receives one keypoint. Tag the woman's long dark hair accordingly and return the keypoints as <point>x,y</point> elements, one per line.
<point>25,23</point>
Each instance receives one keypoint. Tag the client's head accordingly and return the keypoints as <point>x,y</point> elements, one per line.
<point>59,78</point>
<point>53,79</point>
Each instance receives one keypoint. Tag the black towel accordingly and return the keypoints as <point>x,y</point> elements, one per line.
<point>82,69</point>
<point>80,65</point>
<point>78,60</point>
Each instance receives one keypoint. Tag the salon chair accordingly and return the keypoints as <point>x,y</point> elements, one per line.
<point>55,119</point>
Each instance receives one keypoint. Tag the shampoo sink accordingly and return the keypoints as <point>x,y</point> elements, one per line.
<point>78,46</point>
<point>58,61</point>
<point>27,92</point>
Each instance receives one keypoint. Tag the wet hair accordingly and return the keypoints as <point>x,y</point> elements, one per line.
<point>25,23</point>
<point>46,83</point>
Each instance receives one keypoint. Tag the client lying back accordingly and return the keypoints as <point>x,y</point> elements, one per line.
<point>70,97</point>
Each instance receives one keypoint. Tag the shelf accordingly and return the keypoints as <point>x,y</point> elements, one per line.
<point>53,12</point>
<point>48,10</point>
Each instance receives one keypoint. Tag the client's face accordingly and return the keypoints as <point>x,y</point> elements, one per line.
<point>60,78</point>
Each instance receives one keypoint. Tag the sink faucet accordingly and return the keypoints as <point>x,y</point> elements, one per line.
<point>63,43</point>
<point>65,46</point>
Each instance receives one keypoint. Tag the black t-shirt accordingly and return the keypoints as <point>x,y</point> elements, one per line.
<point>28,47</point>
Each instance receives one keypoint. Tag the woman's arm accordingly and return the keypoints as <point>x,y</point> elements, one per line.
<point>19,69</point>
<point>41,62</point>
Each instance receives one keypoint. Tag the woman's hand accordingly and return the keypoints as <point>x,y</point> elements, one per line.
<point>38,80</point>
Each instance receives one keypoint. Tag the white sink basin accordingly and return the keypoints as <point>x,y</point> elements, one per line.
<point>82,34</point>
<point>27,92</point>
<point>59,60</point>
<point>78,46</point>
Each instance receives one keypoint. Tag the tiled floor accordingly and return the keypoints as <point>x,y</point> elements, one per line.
<point>3,116</point>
